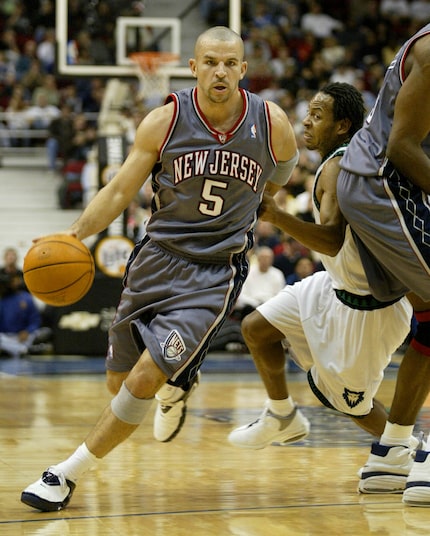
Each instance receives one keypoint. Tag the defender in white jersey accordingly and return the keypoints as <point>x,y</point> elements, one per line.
<point>212,150</point>
<point>384,193</point>
<point>338,331</point>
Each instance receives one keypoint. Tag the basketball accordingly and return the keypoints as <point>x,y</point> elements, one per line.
<point>59,270</point>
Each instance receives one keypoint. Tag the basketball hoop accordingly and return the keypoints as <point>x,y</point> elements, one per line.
<point>152,73</point>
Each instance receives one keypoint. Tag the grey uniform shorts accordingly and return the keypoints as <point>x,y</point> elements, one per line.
<point>391,220</point>
<point>173,307</point>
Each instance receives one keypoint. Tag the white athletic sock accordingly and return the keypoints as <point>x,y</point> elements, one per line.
<point>78,463</point>
<point>396,434</point>
<point>282,407</point>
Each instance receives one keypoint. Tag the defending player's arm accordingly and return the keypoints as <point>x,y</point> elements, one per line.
<point>327,237</point>
<point>411,123</point>
<point>116,196</point>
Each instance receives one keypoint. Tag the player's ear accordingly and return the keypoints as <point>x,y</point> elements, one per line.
<point>192,65</point>
<point>344,126</point>
<point>243,69</point>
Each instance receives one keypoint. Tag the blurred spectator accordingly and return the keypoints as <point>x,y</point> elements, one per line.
<point>263,282</point>
<point>215,12</point>
<point>10,265</point>
<point>20,320</point>
<point>43,18</point>
<point>259,74</point>
<point>9,45</point>
<point>303,267</point>
<point>93,47</point>
<point>287,253</point>
<point>333,52</point>
<point>273,92</point>
<point>60,138</point>
<point>420,10</point>
<point>41,113</point>
<point>266,234</point>
<point>71,189</point>
<point>69,95</point>
<point>46,50</point>
<point>398,8</point>
<point>25,59</point>
<point>303,202</point>
<point>16,118</point>
<point>319,23</point>
<point>85,136</point>
<point>33,77</point>
<point>49,88</point>
<point>91,94</point>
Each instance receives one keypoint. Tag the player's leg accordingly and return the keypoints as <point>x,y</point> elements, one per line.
<point>413,379</point>
<point>280,421</point>
<point>412,389</point>
<point>118,421</point>
<point>374,421</point>
<point>392,458</point>
<point>207,299</point>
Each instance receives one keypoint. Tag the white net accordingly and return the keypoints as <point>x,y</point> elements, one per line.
<point>153,75</point>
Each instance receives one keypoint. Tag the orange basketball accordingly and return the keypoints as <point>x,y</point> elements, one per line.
<point>59,270</point>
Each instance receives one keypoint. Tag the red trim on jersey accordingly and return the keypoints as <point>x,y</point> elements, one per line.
<point>269,134</point>
<point>170,98</point>
<point>405,55</point>
<point>222,137</point>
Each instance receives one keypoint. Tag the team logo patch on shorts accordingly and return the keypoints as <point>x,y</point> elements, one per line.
<point>173,346</point>
<point>353,398</point>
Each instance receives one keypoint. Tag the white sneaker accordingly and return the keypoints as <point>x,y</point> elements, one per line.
<point>417,492</point>
<point>171,410</point>
<point>50,493</point>
<point>386,469</point>
<point>270,428</point>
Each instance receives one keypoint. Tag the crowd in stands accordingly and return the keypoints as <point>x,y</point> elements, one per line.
<point>293,47</point>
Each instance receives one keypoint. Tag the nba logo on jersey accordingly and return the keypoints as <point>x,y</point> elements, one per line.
<point>173,346</point>
<point>253,131</point>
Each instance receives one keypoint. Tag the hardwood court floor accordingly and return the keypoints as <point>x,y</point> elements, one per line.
<point>198,484</point>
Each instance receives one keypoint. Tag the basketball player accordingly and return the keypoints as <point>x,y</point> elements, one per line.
<point>338,332</point>
<point>211,150</point>
<point>383,192</point>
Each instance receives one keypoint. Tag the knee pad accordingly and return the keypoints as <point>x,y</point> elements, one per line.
<point>127,408</point>
<point>421,339</point>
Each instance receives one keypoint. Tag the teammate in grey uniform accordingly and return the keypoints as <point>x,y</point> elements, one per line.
<point>383,191</point>
<point>338,332</point>
<point>211,150</point>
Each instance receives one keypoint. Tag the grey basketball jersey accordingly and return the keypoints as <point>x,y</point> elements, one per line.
<point>208,185</point>
<point>366,151</point>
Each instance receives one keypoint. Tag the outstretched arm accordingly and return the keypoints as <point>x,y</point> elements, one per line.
<point>326,237</point>
<point>116,196</point>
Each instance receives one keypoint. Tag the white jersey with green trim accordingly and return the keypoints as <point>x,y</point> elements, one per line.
<point>345,269</point>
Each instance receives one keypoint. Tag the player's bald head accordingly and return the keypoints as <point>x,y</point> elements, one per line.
<point>221,34</point>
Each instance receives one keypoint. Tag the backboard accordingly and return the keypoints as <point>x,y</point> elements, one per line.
<point>130,34</point>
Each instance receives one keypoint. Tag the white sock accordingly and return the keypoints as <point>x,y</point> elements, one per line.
<point>78,463</point>
<point>396,434</point>
<point>282,407</point>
